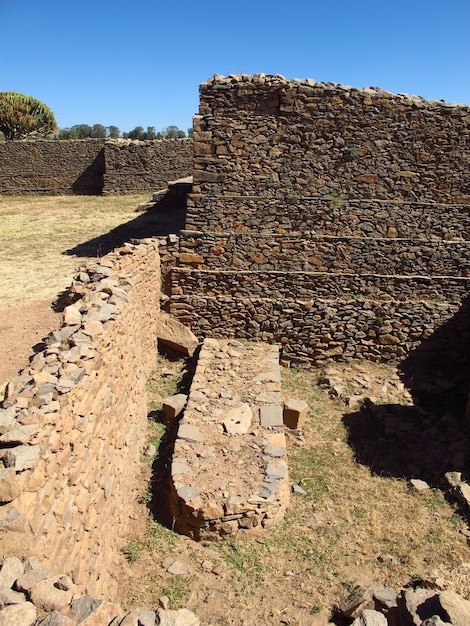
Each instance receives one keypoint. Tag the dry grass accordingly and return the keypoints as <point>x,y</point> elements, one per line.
<point>352,527</point>
<point>37,231</point>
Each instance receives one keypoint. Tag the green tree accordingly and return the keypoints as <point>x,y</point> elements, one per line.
<point>113,132</point>
<point>190,133</point>
<point>173,132</point>
<point>137,133</point>
<point>22,116</point>
<point>98,131</point>
<point>150,134</point>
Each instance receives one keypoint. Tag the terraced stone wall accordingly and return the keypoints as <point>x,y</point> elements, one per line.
<point>309,252</point>
<point>72,427</point>
<point>267,137</point>
<point>320,330</point>
<point>331,216</point>
<point>92,166</point>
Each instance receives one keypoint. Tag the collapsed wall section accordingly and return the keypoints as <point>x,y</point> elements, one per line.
<point>73,424</point>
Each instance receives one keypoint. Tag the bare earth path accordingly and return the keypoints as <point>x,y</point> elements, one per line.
<point>22,327</point>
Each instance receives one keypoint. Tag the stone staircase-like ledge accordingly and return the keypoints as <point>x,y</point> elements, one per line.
<point>229,467</point>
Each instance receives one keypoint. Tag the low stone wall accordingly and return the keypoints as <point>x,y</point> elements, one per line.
<point>72,426</point>
<point>332,216</point>
<point>92,166</point>
<point>311,253</point>
<point>229,468</point>
<point>321,330</point>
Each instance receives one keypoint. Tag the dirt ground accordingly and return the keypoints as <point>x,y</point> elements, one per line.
<point>21,328</point>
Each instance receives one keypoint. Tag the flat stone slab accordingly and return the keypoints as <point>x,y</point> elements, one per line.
<point>229,472</point>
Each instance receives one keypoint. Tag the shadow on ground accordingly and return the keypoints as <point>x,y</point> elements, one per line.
<point>431,437</point>
<point>168,215</point>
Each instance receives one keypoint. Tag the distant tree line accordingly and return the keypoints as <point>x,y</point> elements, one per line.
<point>98,131</point>
<point>23,117</point>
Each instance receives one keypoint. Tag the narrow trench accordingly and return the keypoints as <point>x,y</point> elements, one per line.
<point>159,483</point>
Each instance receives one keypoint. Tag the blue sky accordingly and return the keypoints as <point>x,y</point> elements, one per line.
<point>140,62</point>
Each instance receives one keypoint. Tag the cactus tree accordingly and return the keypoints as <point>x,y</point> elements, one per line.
<point>21,115</point>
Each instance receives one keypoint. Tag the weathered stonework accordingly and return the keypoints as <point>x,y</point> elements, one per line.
<point>73,424</point>
<point>271,138</point>
<point>229,467</point>
<point>329,220</point>
<point>92,166</point>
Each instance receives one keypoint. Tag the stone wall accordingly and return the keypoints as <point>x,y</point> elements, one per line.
<point>135,166</point>
<point>267,137</point>
<point>92,166</point>
<point>332,216</point>
<point>72,426</point>
<point>52,167</point>
<point>309,252</point>
<point>333,221</point>
<point>321,330</point>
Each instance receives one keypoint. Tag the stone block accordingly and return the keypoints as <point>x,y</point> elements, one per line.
<point>271,416</point>
<point>174,405</point>
<point>295,413</point>
<point>175,335</point>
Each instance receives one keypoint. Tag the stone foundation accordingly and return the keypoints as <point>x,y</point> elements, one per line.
<point>229,469</point>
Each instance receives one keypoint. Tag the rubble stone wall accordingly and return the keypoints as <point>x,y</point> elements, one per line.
<point>135,166</point>
<point>321,330</point>
<point>332,216</point>
<point>52,167</point>
<point>73,423</point>
<point>92,166</point>
<point>268,137</point>
<point>310,252</point>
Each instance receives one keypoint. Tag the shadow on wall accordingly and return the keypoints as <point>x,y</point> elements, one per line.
<point>91,180</point>
<point>168,215</point>
<point>431,437</point>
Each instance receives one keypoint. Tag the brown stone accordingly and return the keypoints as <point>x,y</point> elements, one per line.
<point>295,413</point>
<point>175,335</point>
<point>456,607</point>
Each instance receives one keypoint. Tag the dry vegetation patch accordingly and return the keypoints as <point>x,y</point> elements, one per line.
<point>352,527</point>
<point>37,232</point>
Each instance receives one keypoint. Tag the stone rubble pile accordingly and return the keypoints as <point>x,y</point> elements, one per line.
<point>31,595</point>
<point>426,604</point>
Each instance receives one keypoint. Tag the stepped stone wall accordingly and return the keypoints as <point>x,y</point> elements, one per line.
<point>340,217</point>
<point>73,424</point>
<point>92,166</point>
<point>272,138</point>
<point>332,328</point>
<point>333,221</point>
<point>309,252</point>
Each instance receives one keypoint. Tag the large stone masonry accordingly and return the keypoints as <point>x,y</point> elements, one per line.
<point>330,220</point>
<point>229,466</point>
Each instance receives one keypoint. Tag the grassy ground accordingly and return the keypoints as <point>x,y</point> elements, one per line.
<point>37,233</point>
<point>352,527</point>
